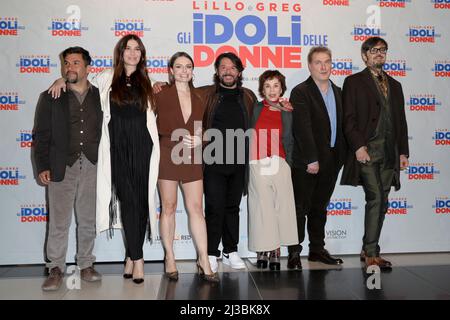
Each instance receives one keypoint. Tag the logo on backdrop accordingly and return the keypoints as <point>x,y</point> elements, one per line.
<point>441,4</point>
<point>336,3</point>
<point>10,176</point>
<point>35,64</point>
<point>393,3</point>
<point>10,101</point>
<point>100,63</point>
<point>442,205</point>
<point>9,26</point>
<point>340,207</point>
<point>362,32</point>
<point>398,206</point>
<point>260,42</point>
<point>423,102</point>
<point>33,213</point>
<point>396,68</point>
<point>336,234</point>
<point>442,137</point>
<point>441,69</point>
<point>421,171</point>
<point>343,67</point>
<point>25,139</point>
<point>123,27</point>
<point>158,64</point>
<point>425,34</point>
<point>66,28</point>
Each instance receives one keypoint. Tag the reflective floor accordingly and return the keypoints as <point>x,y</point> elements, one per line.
<point>414,276</point>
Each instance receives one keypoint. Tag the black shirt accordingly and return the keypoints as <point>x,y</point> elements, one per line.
<point>229,115</point>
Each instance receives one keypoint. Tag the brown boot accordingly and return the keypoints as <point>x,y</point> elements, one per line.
<point>89,274</point>
<point>54,280</point>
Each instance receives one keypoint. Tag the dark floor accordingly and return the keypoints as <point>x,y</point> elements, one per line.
<point>429,279</point>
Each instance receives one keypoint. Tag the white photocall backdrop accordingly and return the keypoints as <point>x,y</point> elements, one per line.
<point>267,35</point>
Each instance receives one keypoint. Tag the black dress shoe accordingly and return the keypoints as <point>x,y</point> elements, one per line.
<point>324,257</point>
<point>127,275</point>
<point>294,261</point>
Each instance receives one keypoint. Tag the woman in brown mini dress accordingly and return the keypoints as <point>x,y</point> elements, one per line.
<point>179,109</point>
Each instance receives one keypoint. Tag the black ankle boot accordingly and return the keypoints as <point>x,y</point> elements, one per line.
<point>261,260</point>
<point>274,261</point>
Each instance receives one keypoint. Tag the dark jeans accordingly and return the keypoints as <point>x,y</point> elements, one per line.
<point>223,193</point>
<point>312,194</point>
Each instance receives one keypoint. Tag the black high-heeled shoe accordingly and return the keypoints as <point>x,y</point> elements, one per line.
<point>214,278</point>
<point>127,275</point>
<point>173,276</point>
<point>139,280</point>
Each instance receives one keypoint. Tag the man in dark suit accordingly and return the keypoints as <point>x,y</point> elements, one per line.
<point>318,154</point>
<point>66,137</point>
<point>377,134</point>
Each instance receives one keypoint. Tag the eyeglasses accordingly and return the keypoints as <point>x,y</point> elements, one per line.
<point>382,50</point>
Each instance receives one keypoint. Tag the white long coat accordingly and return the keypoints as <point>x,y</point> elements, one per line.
<point>103,82</point>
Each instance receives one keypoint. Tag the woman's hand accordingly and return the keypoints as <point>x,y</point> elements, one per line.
<point>192,141</point>
<point>55,89</point>
<point>158,85</point>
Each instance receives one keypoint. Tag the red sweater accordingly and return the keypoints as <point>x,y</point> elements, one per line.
<point>262,144</point>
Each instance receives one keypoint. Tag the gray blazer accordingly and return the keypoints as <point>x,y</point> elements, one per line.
<point>286,121</point>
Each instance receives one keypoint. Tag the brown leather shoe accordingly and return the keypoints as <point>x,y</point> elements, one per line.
<point>90,275</point>
<point>362,256</point>
<point>378,261</point>
<point>54,280</point>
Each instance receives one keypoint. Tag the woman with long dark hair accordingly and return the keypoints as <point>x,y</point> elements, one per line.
<point>128,157</point>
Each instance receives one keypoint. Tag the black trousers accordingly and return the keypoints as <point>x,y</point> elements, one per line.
<point>223,193</point>
<point>135,223</point>
<point>312,194</point>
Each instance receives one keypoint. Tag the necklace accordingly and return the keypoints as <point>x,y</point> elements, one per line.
<point>128,81</point>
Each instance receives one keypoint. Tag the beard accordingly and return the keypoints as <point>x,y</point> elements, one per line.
<point>379,65</point>
<point>228,84</point>
<point>72,77</point>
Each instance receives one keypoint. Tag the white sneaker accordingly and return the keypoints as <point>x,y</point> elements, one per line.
<point>233,260</point>
<point>213,263</point>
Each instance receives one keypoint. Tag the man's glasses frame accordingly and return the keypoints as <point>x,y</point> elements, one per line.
<point>382,50</point>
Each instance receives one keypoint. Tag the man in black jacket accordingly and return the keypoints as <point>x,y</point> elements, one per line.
<point>318,154</point>
<point>66,137</point>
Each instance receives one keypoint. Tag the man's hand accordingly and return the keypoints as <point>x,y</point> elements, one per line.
<point>362,156</point>
<point>313,168</point>
<point>56,87</point>
<point>404,162</point>
<point>44,176</point>
<point>158,85</point>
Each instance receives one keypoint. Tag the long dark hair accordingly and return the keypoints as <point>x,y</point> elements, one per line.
<point>172,62</point>
<point>139,79</point>
<point>237,63</point>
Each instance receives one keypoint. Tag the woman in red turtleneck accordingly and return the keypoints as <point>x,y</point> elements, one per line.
<point>271,207</point>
